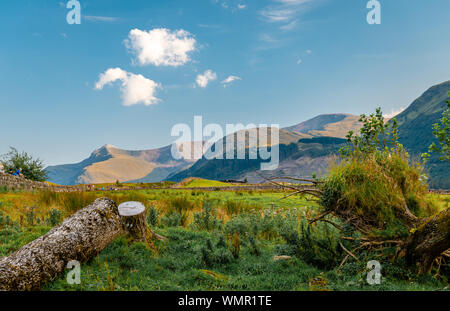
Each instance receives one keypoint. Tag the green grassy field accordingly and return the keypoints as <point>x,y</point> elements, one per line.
<point>203,183</point>
<point>219,240</point>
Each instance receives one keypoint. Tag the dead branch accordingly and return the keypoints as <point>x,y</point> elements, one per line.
<point>348,252</point>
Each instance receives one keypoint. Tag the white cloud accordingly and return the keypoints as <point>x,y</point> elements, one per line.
<point>289,26</point>
<point>135,89</point>
<point>293,2</point>
<point>161,46</point>
<point>232,5</point>
<point>265,37</point>
<point>229,80</point>
<point>393,113</point>
<point>299,62</point>
<point>204,79</point>
<point>100,18</point>
<point>285,12</point>
<point>278,15</point>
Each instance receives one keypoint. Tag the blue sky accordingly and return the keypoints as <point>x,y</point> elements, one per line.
<point>294,59</point>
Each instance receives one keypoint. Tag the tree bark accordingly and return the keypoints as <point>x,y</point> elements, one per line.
<point>80,237</point>
<point>134,222</point>
<point>428,242</point>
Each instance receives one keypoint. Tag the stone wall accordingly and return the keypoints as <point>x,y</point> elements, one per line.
<point>20,183</point>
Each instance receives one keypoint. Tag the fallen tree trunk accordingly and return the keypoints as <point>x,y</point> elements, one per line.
<point>80,237</point>
<point>428,242</point>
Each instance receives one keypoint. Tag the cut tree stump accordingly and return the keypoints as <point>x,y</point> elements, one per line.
<point>80,237</point>
<point>134,222</point>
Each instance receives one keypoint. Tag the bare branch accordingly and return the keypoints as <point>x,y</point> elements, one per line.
<point>348,252</point>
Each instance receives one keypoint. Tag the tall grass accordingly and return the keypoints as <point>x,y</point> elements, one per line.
<point>68,201</point>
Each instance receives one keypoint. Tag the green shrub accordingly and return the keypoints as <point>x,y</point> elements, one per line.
<point>316,245</point>
<point>152,218</point>
<point>54,217</point>
<point>181,206</point>
<point>211,254</point>
<point>32,169</point>
<point>172,219</point>
<point>207,219</point>
<point>254,246</point>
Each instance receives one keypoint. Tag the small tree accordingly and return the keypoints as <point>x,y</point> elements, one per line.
<point>441,132</point>
<point>32,169</point>
<point>375,135</point>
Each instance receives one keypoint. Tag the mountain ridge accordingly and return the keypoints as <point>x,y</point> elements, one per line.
<point>109,164</point>
<point>305,148</point>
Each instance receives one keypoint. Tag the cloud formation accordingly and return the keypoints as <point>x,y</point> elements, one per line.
<point>393,113</point>
<point>100,18</point>
<point>204,79</point>
<point>229,80</point>
<point>136,89</point>
<point>161,46</point>
<point>285,12</point>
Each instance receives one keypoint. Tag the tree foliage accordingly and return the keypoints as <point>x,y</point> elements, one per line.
<point>441,132</point>
<point>375,135</point>
<point>32,168</point>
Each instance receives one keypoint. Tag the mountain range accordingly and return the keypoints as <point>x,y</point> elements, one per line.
<point>305,148</point>
<point>109,164</point>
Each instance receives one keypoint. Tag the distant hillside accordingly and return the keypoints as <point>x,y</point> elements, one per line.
<point>109,164</point>
<point>329,125</point>
<point>300,158</point>
<point>305,148</point>
<point>416,130</point>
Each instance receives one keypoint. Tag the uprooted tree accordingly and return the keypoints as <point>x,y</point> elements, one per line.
<point>376,189</point>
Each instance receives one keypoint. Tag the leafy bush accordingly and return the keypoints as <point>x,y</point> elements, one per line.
<point>207,219</point>
<point>317,245</point>
<point>32,169</point>
<point>442,133</point>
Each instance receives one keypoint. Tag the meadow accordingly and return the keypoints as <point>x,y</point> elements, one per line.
<point>216,240</point>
